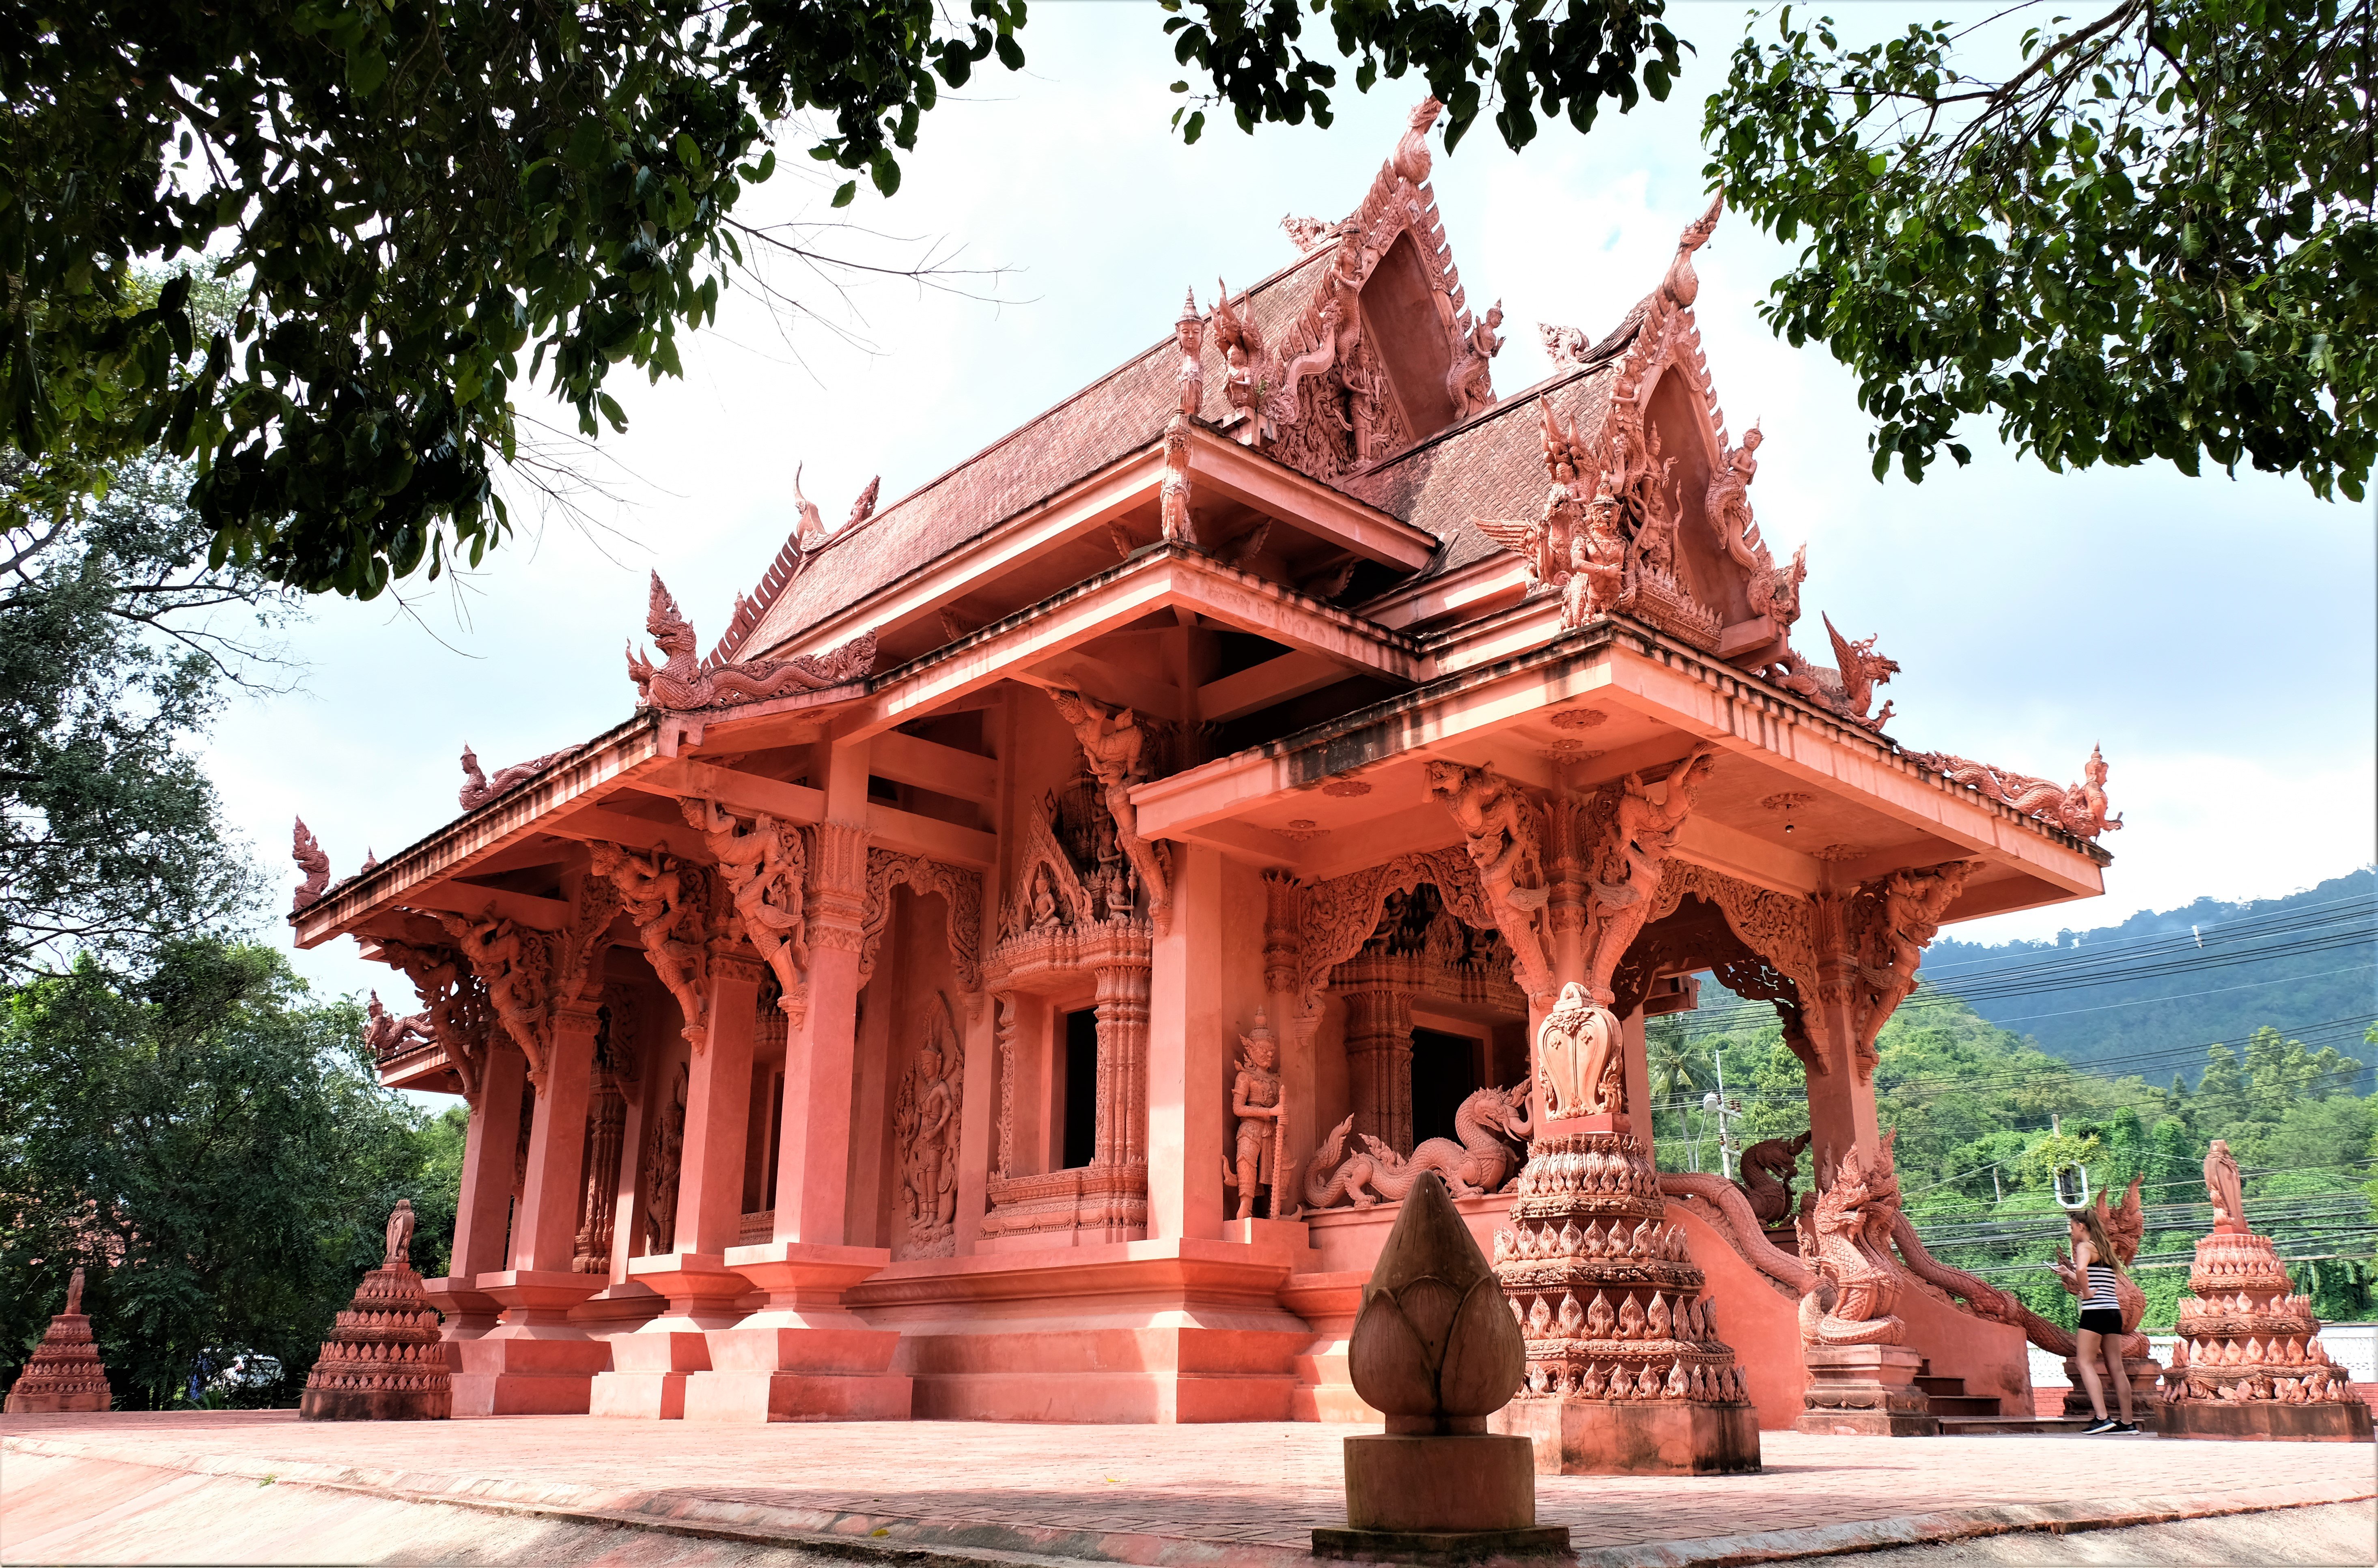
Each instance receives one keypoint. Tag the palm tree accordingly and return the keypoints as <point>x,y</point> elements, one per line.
<point>1681,1068</point>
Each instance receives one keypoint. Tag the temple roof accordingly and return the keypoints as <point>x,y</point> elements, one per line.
<point>1119,413</point>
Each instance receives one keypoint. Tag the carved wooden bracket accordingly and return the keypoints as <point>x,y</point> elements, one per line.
<point>669,900</point>
<point>516,965</point>
<point>1505,829</point>
<point>764,863</point>
<point>459,1013</point>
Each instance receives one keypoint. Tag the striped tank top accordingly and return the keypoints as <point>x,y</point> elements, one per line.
<point>2101,1288</point>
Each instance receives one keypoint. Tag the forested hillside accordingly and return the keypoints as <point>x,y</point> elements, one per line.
<point>2148,995</point>
<point>1984,1117</point>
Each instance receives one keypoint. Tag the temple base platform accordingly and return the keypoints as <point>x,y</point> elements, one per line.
<point>1633,1437</point>
<point>375,1404</point>
<point>1866,1390</point>
<point>2265,1421</point>
<point>533,1362</point>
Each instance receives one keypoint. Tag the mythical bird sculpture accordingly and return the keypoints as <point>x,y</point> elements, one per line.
<point>1480,1162</point>
<point>478,788</point>
<point>683,685</point>
<point>2078,809</point>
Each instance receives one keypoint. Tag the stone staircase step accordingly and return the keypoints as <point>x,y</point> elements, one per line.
<point>1987,1426</point>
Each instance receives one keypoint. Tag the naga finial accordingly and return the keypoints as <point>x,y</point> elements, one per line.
<point>1411,159</point>
<point>1683,284</point>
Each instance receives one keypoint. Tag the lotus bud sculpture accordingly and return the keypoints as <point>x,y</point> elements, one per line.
<point>1434,1347</point>
<point>1436,1350</point>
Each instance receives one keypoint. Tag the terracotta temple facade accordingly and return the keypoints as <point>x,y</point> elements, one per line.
<point>1017,970</point>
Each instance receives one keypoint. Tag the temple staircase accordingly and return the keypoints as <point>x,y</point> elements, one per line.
<point>1980,1415</point>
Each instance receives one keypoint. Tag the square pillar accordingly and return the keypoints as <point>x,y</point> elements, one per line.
<point>718,1110</point>
<point>1187,1055</point>
<point>813,1158</point>
<point>548,1234</point>
<point>976,1129</point>
<point>483,1210</point>
<point>1841,1103</point>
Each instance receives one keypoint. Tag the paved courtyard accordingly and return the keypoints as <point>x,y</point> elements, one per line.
<point>1151,1495</point>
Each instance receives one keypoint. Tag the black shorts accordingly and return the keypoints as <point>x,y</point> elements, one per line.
<point>2102,1320</point>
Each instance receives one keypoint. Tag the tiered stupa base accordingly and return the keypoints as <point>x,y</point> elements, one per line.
<point>65,1374</point>
<point>1625,1373</point>
<point>2248,1364</point>
<point>384,1361</point>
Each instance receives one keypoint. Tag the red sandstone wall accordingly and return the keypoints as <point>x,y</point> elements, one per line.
<point>1760,1321</point>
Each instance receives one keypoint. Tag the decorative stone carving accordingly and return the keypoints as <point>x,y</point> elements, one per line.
<point>384,1361</point>
<point>1189,380</point>
<point>1628,837</point>
<point>1470,382</point>
<point>1768,1168</point>
<point>668,902</point>
<point>387,1035</point>
<point>478,788</point>
<point>1626,1371</point>
<point>606,1115</point>
<point>1845,1241</point>
<point>684,684</point>
<point>1505,829</point>
<point>763,862</point>
<point>925,1130</point>
<point>1479,1162</point>
<point>1581,1060</point>
<point>864,508</point>
<point>1257,1102</point>
<point>2078,809</point>
<point>1341,915</point>
<point>1172,493</point>
<point>64,1375</point>
<point>516,965</point>
<point>307,853</point>
<point>663,1163</point>
<point>1307,233</point>
<point>459,1013</point>
<point>961,896</point>
<point>1888,924</point>
<point>1113,744</point>
<point>2249,1363</point>
<point>1849,690</point>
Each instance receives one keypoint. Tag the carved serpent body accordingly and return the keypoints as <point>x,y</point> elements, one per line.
<point>1479,1163</point>
<point>682,684</point>
<point>1844,1232</point>
<point>1749,1237</point>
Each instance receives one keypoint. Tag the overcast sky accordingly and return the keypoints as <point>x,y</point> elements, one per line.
<point>2216,635</point>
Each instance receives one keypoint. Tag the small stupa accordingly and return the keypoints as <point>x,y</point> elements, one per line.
<point>64,1373</point>
<point>2249,1363</point>
<point>384,1361</point>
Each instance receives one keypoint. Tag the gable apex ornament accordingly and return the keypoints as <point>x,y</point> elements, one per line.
<point>682,684</point>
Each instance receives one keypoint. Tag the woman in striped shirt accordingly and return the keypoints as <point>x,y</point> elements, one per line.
<point>2091,1276</point>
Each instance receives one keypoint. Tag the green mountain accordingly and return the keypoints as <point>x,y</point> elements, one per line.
<point>2149,995</point>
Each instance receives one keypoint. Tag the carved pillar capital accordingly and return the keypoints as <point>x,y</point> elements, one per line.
<point>735,963</point>
<point>1283,920</point>
<point>837,912</point>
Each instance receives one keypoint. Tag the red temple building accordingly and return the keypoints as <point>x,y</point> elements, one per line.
<point>1014,972</point>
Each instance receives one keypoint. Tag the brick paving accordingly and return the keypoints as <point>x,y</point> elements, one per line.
<point>1198,1494</point>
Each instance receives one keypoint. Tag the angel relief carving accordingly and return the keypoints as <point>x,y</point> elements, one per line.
<point>668,900</point>
<point>1113,750</point>
<point>516,965</point>
<point>925,1128</point>
<point>764,863</point>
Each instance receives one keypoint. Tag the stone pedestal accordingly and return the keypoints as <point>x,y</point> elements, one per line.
<point>65,1374</point>
<point>468,1312</point>
<point>2248,1364</point>
<point>1864,1391</point>
<point>2145,1374</point>
<point>1625,1373</point>
<point>384,1361</point>
<point>804,1356</point>
<point>649,1367</point>
<point>1430,1499</point>
<point>533,1362</point>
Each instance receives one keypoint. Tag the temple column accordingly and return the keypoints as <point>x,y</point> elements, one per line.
<point>1378,1048</point>
<point>1185,1059</point>
<point>977,1132</point>
<point>626,1215</point>
<point>1283,957</point>
<point>483,1211</point>
<point>1841,1099</point>
<point>804,1356</point>
<point>535,1362</point>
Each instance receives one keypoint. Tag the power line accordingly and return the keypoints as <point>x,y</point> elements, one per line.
<point>2279,919</point>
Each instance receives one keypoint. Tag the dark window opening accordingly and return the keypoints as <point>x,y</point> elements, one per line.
<point>1081,1087</point>
<point>1444,1073</point>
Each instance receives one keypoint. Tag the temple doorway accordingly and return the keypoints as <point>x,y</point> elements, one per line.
<point>1445,1071</point>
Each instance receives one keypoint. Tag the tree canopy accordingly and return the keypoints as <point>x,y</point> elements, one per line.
<point>2149,238</point>
<point>212,1147</point>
